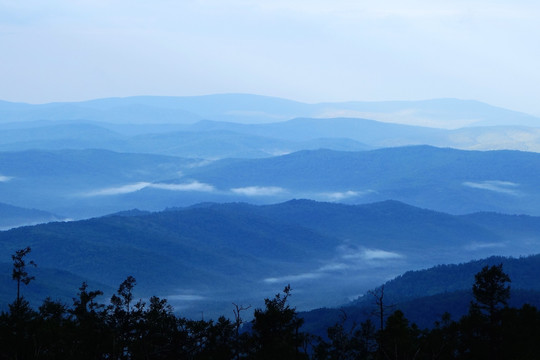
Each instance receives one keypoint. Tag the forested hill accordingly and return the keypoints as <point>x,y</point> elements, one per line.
<point>206,256</point>
<point>425,295</point>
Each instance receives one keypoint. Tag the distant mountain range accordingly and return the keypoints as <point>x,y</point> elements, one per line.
<point>252,109</point>
<point>204,158</point>
<point>249,126</point>
<point>204,257</point>
<point>443,179</point>
<point>84,183</point>
<point>185,141</point>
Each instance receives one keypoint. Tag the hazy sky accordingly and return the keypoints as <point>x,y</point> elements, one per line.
<point>306,50</point>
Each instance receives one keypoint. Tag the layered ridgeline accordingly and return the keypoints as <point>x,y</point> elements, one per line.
<point>222,126</point>
<point>211,139</point>
<point>83,183</point>
<point>13,216</point>
<point>253,109</point>
<point>205,257</point>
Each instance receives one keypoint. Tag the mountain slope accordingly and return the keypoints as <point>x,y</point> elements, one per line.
<point>78,183</point>
<point>445,179</point>
<point>58,284</point>
<point>200,252</point>
<point>96,182</point>
<point>424,295</point>
<point>215,254</point>
<point>13,216</point>
<point>87,183</point>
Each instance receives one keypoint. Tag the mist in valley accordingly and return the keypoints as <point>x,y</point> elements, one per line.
<point>219,151</point>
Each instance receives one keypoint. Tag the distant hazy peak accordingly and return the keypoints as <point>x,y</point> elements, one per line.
<point>256,109</point>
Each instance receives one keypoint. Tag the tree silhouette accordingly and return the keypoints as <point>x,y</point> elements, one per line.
<point>19,273</point>
<point>276,329</point>
<point>491,293</point>
<point>380,312</point>
<point>490,290</point>
<point>346,342</point>
<point>124,318</point>
<point>237,325</point>
<point>399,339</point>
<point>89,328</point>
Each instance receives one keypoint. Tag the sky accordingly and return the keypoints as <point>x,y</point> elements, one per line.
<point>305,50</point>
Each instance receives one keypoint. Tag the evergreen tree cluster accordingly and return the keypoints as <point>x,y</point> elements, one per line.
<point>128,329</point>
<point>125,329</point>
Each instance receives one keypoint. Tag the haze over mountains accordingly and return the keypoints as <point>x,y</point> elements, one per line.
<point>77,184</point>
<point>214,179</point>
<point>251,109</point>
<point>220,126</point>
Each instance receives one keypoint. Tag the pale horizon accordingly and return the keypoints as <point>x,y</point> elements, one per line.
<point>307,51</point>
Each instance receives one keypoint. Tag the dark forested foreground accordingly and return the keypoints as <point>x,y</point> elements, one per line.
<point>129,329</point>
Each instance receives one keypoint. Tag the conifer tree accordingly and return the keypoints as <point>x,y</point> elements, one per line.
<point>491,291</point>
<point>19,273</point>
<point>276,329</point>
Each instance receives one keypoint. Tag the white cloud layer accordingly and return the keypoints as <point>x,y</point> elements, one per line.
<point>193,186</point>
<point>118,190</point>
<point>349,259</point>
<point>130,188</point>
<point>342,195</point>
<point>371,254</point>
<point>481,246</point>
<point>316,274</point>
<point>259,190</point>
<point>293,278</point>
<point>4,178</point>
<point>504,187</point>
<point>185,297</point>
